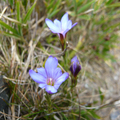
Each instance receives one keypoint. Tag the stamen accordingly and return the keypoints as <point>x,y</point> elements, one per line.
<point>50,81</point>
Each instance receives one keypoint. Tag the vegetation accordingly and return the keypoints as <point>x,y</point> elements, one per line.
<point>26,42</point>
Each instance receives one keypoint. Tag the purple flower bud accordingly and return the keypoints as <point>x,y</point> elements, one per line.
<point>50,77</point>
<point>75,66</point>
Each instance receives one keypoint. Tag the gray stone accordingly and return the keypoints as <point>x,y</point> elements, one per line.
<point>4,96</point>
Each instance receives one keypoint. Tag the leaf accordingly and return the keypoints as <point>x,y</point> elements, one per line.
<point>94,115</point>
<point>29,13</point>
<point>10,35</point>
<point>85,17</point>
<point>11,2</point>
<point>18,10</point>
<point>85,7</point>
<point>108,2</point>
<point>53,13</point>
<point>98,4</point>
<point>9,27</point>
<point>114,5</point>
<point>101,95</point>
<point>75,5</point>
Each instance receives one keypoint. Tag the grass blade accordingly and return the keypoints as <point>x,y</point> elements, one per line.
<point>29,13</point>
<point>8,27</point>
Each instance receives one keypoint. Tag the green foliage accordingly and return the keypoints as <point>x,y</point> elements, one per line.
<point>27,16</point>
<point>25,44</point>
<point>52,7</point>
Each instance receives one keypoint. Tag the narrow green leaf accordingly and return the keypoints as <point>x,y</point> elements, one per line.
<point>53,13</point>
<point>85,7</point>
<point>10,35</point>
<point>18,16</point>
<point>75,6</point>
<point>112,26</point>
<point>85,17</point>
<point>29,13</point>
<point>18,10</point>
<point>114,5</point>
<point>8,27</point>
<point>101,95</point>
<point>109,2</point>
<point>94,115</point>
<point>11,2</point>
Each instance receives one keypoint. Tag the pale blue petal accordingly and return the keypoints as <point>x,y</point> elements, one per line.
<point>50,89</point>
<point>52,26</point>
<point>37,77</point>
<point>64,33</point>
<point>60,80</point>
<point>42,85</point>
<point>42,72</point>
<point>50,66</point>
<point>57,73</point>
<point>69,25</point>
<point>64,21</point>
<point>58,24</point>
<point>74,25</point>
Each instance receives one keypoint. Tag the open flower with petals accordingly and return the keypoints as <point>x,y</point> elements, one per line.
<point>50,77</point>
<point>60,27</point>
<point>75,66</point>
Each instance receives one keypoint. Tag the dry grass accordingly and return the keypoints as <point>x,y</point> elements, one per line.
<point>93,40</point>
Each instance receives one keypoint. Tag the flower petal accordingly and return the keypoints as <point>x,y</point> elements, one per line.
<point>58,24</point>
<point>50,66</point>
<point>74,25</point>
<point>64,21</point>
<point>69,24</point>
<point>75,66</point>
<point>50,89</point>
<point>52,26</point>
<point>37,77</point>
<point>75,59</point>
<point>60,80</point>
<point>42,85</point>
<point>57,73</point>
<point>64,33</point>
<point>42,72</point>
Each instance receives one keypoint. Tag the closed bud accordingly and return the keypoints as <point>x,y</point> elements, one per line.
<point>75,66</point>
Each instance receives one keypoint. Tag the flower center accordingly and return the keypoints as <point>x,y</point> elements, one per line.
<point>50,81</point>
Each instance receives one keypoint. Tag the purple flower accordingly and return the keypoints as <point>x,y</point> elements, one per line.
<point>50,77</point>
<point>75,66</point>
<point>60,27</point>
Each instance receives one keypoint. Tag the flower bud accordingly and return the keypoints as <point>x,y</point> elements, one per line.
<point>75,66</point>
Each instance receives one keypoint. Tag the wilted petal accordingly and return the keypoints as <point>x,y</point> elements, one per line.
<point>64,21</point>
<point>60,80</point>
<point>50,89</point>
<point>42,72</point>
<point>50,66</point>
<point>52,26</point>
<point>37,77</point>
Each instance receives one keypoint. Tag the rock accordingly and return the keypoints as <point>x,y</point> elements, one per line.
<point>4,96</point>
<point>115,114</point>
